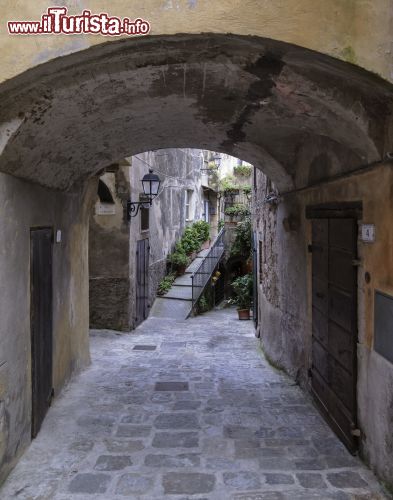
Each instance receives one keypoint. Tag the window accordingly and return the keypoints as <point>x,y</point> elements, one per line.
<point>145,218</point>
<point>104,193</point>
<point>206,206</point>
<point>145,213</point>
<point>189,194</point>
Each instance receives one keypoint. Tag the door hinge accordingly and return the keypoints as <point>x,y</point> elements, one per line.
<point>356,262</point>
<point>356,432</point>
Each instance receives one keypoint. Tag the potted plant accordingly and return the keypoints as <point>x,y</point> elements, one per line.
<point>202,230</point>
<point>243,290</point>
<point>166,284</point>
<point>190,241</point>
<point>179,261</point>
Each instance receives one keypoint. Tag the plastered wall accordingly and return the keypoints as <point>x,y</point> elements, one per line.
<point>358,31</point>
<point>23,206</point>
<point>285,296</point>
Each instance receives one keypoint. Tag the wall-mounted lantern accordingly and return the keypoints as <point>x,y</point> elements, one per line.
<point>217,160</point>
<point>151,185</point>
<point>217,163</point>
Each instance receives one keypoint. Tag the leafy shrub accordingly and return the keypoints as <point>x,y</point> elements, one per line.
<point>239,209</point>
<point>166,284</point>
<point>190,240</point>
<point>178,259</point>
<point>203,305</point>
<point>202,229</point>
<point>243,290</point>
<point>229,184</point>
<point>221,224</point>
<point>242,170</point>
<point>242,244</point>
<point>246,189</point>
<point>194,236</point>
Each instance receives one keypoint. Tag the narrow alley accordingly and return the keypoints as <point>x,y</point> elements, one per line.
<point>186,410</point>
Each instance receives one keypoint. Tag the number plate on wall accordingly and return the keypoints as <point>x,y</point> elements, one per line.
<point>367,233</point>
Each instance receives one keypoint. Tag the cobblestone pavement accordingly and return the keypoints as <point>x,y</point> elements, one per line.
<point>186,410</point>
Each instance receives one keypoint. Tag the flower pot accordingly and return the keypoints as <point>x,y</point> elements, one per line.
<point>181,270</point>
<point>243,314</point>
<point>249,266</point>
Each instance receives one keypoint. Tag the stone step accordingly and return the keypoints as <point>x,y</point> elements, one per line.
<point>194,265</point>
<point>184,280</point>
<point>170,308</point>
<point>203,253</point>
<point>179,292</point>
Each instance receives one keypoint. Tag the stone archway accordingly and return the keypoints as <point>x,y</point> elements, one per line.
<point>262,100</point>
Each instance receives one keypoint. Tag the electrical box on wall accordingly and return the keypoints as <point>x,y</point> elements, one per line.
<point>383,325</point>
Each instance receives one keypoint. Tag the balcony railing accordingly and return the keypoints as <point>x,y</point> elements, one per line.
<point>202,275</point>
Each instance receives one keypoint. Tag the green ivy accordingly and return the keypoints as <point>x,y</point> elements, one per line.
<point>242,170</point>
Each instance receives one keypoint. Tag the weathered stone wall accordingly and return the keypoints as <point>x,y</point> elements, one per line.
<point>109,284</point>
<point>281,283</point>
<point>285,295</point>
<point>23,206</point>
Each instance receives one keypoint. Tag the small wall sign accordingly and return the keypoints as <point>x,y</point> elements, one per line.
<point>367,233</point>
<point>107,209</point>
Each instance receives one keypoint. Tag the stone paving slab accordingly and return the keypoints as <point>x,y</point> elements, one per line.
<point>170,308</point>
<point>202,417</point>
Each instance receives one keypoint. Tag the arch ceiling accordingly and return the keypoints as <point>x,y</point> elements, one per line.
<point>264,101</point>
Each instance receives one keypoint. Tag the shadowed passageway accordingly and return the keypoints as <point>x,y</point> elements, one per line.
<point>185,410</point>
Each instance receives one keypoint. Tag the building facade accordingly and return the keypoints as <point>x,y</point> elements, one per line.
<point>128,255</point>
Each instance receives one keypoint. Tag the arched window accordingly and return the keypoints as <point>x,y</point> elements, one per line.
<point>104,193</point>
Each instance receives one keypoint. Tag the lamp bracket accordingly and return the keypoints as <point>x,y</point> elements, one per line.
<point>133,207</point>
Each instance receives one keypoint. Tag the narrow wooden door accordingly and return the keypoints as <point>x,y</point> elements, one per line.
<point>142,280</point>
<point>255,277</point>
<point>41,324</point>
<point>334,323</point>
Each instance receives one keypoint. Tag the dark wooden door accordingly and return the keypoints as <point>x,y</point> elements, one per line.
<point>334,323</point>
<point>41,324</point>
<point>255,278</point>
<point>142,280</point>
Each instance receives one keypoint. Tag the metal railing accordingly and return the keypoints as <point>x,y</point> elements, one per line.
<point>202,275</point>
